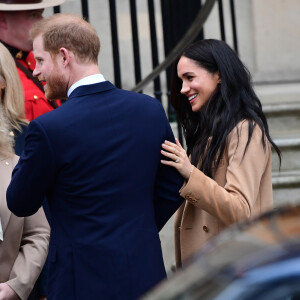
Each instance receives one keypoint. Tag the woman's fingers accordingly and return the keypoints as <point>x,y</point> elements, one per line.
<point>170,150</point>
<point>178,143</point>
<point>171,147</point>
<point>168,163</point>
<point>169,155</point>
<point>178,158</point>
<point>169,143</point>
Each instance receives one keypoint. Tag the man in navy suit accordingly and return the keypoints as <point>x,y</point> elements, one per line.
<point>97,158</point>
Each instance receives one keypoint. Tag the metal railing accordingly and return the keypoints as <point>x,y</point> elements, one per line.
<point>188,38</point>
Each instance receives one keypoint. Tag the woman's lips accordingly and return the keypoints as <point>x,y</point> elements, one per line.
<point>191,98</point>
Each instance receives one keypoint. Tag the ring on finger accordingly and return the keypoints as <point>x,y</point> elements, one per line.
<point>177,160</point>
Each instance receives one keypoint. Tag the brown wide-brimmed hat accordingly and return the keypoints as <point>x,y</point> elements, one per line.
<point>12,5</point>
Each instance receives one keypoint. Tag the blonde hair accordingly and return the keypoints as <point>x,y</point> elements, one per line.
<point>12,99</point>
<point>6,139</point>
<point>70,32</point>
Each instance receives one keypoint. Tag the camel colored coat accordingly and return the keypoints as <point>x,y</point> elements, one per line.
<point>24,247</point>
<point>241,188</point>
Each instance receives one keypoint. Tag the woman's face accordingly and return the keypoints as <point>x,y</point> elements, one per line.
<point>197,83</point>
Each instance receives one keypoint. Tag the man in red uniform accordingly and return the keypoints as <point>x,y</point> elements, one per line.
<point>16,19</point>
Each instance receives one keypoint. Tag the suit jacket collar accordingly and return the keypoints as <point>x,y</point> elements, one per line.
<point>90,89</point>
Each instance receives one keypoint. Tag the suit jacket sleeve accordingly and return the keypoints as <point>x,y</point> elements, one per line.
<point>234,201</point>
<point>32,254</point>
<point>37,166</point>
<point>168,183</point>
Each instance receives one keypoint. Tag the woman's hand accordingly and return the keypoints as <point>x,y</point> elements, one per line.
<point>179,158</point>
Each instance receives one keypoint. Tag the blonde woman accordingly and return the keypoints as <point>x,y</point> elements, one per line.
<point>23,241</point>
<point>12,100</point>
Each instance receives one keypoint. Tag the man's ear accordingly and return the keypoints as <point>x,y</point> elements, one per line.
<point>3,22</point>
<point>65,56</point>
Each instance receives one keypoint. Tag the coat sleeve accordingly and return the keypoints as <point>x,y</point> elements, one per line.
<point>168,183</point>
<point>32,254</point>
<point>234,201</point>
<point>33,174</point>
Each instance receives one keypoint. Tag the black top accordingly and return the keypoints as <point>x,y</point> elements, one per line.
<point>20,139</point>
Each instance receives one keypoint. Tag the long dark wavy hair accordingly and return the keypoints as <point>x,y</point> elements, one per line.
<point>233,100</point>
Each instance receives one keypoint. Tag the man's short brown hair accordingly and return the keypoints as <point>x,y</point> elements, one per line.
<point>70,32</point>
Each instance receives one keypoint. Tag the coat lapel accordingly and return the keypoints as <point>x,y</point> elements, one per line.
<point>6,167</point>
<point>85,90</point>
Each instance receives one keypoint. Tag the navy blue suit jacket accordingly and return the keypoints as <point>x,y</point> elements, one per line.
<point>97,158</point>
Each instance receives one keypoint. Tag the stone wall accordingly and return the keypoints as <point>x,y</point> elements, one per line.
<point>268,37</point>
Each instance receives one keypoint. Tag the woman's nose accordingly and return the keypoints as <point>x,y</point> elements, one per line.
<point>184,89</point>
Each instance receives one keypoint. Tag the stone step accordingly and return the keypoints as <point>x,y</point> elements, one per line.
<point>283,117</point>
<point>286,187</point>
<point>278,93</point>
<point>290,151</point>
<point>286,179</point>
<point>278,109</point>
<point>281,105</point>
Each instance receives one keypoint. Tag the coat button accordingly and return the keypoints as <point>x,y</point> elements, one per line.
<point>35,97</point>
<point>7,163</point>
<point>205,228</point>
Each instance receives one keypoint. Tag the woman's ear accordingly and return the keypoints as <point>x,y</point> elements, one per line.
<point>2,88</point>
<point>2,83</point>
<point>219,77</point>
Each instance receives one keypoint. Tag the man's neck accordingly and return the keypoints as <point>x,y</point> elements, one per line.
<point>90,79</point>
<point>83,71</point>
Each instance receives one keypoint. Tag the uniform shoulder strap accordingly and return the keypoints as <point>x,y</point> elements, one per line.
<point>30,76</point>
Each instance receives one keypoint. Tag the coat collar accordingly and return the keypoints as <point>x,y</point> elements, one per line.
<point>85,90</point>
<point>6,168</point>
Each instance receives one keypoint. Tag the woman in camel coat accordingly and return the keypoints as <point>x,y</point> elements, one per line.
<point>23,241</point>
<point>227,167</point>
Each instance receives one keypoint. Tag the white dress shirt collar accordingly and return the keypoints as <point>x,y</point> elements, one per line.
<point>92,79</point>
